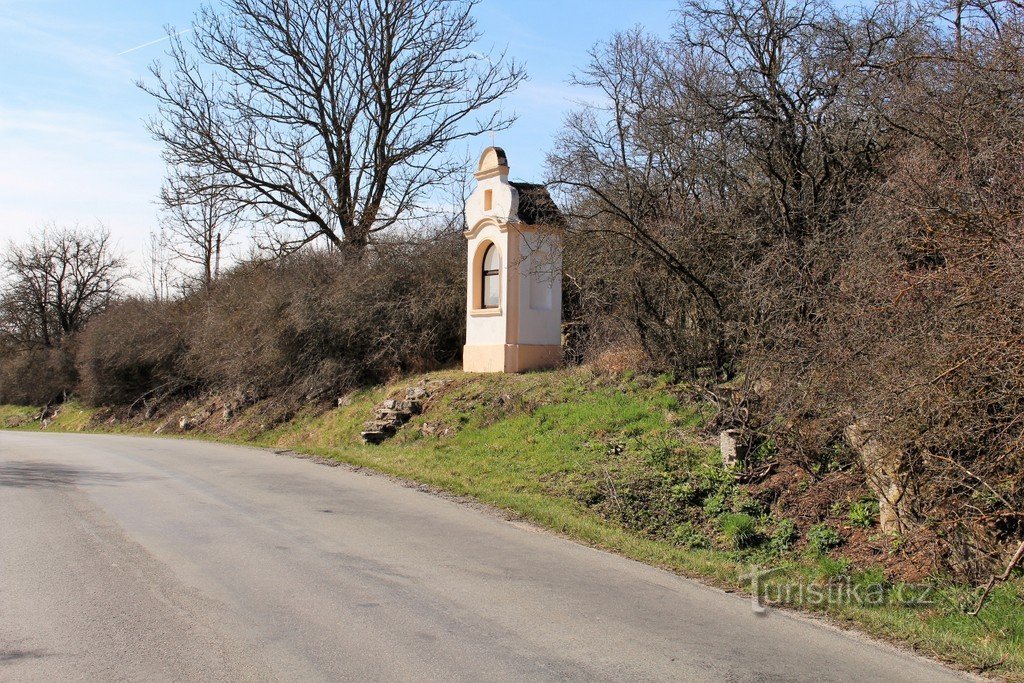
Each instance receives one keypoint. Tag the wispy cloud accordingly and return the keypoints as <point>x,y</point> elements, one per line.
<point>154,42</point>
<point>73,146</point>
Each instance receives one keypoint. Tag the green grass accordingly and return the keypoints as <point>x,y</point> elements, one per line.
<point>72,417</point>
<point>528,443</point>
<point>17,416</point>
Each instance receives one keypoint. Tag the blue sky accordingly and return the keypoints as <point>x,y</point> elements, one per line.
<point>73,143</point>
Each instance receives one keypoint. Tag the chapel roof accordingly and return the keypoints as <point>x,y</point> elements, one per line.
<point>536,207</point>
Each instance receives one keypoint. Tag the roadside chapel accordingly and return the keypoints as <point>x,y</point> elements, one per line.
<point>514,292</point>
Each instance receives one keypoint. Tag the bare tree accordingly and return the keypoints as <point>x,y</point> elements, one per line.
<point>56,282</point>
<point>637,235</point>
<point>329,119</point>
<point>160,273</point>
<point>713,159</point>
<point>199,220</point>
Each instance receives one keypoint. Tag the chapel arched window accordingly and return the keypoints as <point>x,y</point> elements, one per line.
<point>490,278</point>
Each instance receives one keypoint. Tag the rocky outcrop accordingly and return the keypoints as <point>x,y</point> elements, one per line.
<point>195,419</point>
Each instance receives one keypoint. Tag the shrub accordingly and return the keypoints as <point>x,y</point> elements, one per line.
<point>35,377</point>
<point>784,535</point>
<point>822,538</point>
<point>743,502</point>
<point>715,504</point>
<point>871,578</point>
<point>688,535</point>
<point>834,568</point>
<point>133,349</point>
<point>317,322</point>
<point>863,513</point>
<point>740,530</point>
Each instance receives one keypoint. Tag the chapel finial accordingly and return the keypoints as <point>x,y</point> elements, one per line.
<point>493,162</point>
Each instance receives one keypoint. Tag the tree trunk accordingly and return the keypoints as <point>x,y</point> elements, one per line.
<point>887,476</point>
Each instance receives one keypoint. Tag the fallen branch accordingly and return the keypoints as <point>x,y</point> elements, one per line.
<point>171,387</point>
<point>611,488</point>
<point>751,475</point>
<point>993,665</point>
<point>49,410</point>
<point>1014,562</point>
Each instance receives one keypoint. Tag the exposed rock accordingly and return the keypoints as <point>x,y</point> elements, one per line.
<point>377,431</point>
<point>391,414</point>
<point>397,416</point>
<point>733,450</point>
<point>436,429</point>
<point>190,421</point>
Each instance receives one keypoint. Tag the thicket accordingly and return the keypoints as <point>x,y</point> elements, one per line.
<point>54,284</point>
<point>318,323</point>
<point>135,350</point>
<point>823,206</point>
<point>308,327</point>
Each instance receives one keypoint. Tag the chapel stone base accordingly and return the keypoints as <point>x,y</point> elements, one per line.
<point>510,357</point>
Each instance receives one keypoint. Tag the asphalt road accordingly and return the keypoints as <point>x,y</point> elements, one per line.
<point>132,558</point>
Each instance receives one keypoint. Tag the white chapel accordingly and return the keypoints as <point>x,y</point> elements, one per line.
<point>514,297</point>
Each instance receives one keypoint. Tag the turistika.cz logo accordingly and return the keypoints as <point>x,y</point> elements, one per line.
<point>844,591</point>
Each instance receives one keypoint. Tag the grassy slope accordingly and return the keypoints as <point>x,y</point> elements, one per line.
<point>520,439</point>
<point>523,443</point>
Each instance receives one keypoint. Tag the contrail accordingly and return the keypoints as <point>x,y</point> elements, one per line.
<point>153,42</point>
